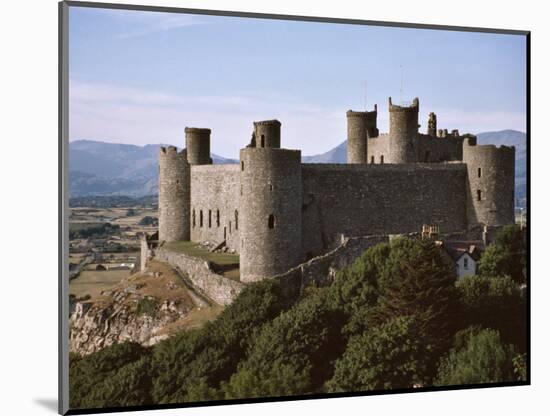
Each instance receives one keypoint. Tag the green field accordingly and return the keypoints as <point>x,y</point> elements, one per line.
<point>94,282</point>
<point>194,250</point>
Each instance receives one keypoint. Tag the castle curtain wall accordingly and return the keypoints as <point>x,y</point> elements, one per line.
<point>215,188</point>
<point>357,200</point>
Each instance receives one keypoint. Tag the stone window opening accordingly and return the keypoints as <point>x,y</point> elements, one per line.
<point>270,186</point>
<point>236,220</point>
<point>242,166</point>
<point>229,227</point>
<point>193,218</point>
<point>209,218</point>
<point>200,218</point>
<point>381,159</point>
<point>479,172</point>
<point>218,217</point>
<point>372,160</point>
<point>479,195</point>
<point>224,233</point>
<point>262,141</point>
<point>271,221</point>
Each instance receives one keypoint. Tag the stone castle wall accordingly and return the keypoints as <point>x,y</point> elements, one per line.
<point>427,149</point>
<point>218,288</point>
<point>358,200</point>
<point>320,270</point>
<point>215,191</point>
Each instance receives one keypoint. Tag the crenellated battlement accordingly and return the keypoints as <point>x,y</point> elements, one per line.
<point>267,133</point>
<point>267,122</point>
<point>413,107</point>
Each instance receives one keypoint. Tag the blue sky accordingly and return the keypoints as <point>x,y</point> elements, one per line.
<point>142,77</point>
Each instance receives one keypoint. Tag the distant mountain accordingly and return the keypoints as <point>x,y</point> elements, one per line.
<point>336,155</point>
<point>99,168</point>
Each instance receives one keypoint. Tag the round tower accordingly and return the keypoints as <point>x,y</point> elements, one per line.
<point>197,142</point>
<point>361,126</point>
<point>271,212</point>
<point>174,195</point>
<point>490,187</point>
<point>268,133</point>
<point>403,132</point>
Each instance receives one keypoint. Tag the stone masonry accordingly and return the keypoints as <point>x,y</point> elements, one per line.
<point>278,213</point>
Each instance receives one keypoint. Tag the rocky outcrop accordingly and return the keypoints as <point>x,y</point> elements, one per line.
<point>138,310</point>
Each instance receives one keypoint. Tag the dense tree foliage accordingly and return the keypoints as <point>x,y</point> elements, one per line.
<point>506,256</point>
<point>192,365</point>
<point>389,356</point>
<point>118,375</point>
<point>482,358</point>
<point>498,303</point>
<point>395,318</point>
<point>292,354</point>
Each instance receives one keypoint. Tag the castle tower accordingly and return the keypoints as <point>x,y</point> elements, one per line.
<point>268,133</point>
<point>432,125</point>
<point>361,126</point>
<point>197,142</point>
<point>271,207</point>
<point>403,132</point>
<point>490,184</point>
<point>174,195</point>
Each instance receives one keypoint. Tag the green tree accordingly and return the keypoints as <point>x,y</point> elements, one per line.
<point>389,356</point>
<point>482,359</point>
<point>506,256</point>
<point>118,375</point>
<point>293,353</point>
<point>497,303</point>
<point>196,362</point>
<point>419,283</point>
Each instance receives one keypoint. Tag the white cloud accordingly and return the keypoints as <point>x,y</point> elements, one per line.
<point>152,22</point>
<point>131,115</point>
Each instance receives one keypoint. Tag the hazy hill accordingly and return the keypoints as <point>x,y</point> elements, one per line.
<point>99,168</point>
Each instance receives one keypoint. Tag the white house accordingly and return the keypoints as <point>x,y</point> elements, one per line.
<point>465,255</point>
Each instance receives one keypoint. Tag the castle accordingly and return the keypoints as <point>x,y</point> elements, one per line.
<point>277,212</point>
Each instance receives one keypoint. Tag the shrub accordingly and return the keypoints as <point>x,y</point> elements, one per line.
<point>506,256</point>
<point>483,359</point>
<point>147,306</point>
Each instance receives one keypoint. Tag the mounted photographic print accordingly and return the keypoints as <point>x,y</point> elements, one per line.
<point>266,207</point>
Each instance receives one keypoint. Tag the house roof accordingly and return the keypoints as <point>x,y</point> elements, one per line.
<point>457,249</point>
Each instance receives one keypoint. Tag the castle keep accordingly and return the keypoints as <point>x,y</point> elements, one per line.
<point>277,212</point>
